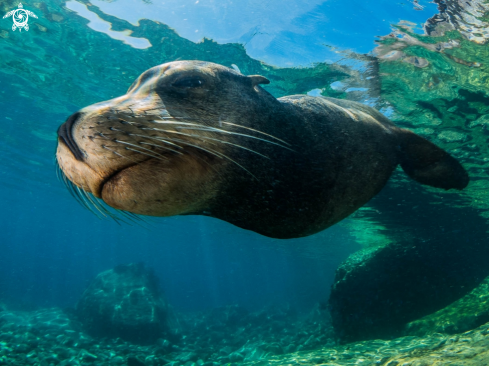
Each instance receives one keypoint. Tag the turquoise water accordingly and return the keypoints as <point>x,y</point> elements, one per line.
<point>232,295</point>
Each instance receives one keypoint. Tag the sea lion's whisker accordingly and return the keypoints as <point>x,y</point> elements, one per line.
<point>212,152</point>
<point>221,141</point>
<point>159,139</point>
<point>133,217</point>
<point>122,156</point>
<point>143,153</point>
<point>123,121</point>
<point>71,189</point>
<point>212,139</point>
<point>250,136</point>
<point>147,137</point>
<point>59,173</point>
<point>214,129</point>
<point>100,207</point>
<point>103,211</point>
<point>177,123</point>
<point>90,202</point>
<point>65,180</point>
<point>76,195</point>
<point>161,147</point>
<point>257,131</point>
<point>86,199</point>
<point>116,129</point>
<point>173,117</point>
<point>57,169</point>
<point>158,146</point>
<point>116,153</point>
<point>127,148</point>
<point>140,147</point>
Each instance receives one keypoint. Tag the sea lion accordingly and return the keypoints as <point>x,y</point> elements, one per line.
<point>194,137</point>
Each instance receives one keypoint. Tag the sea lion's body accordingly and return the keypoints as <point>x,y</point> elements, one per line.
<point>284,168</point>
<point>341,158</point>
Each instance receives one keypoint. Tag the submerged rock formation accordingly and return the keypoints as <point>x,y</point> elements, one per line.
<point>467,313</point>
<point>377,292</point>
<point>124,302</point>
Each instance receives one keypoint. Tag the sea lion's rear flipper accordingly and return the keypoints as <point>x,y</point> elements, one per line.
<point>428,164</point>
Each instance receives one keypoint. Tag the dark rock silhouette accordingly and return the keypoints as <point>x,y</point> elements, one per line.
<point>437,256</point>
<point>124,302</point>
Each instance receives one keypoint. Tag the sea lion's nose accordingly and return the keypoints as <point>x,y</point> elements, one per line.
<point>65,133</point>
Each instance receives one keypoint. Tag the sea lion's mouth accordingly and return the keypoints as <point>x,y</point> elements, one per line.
<point>84,176</point>
<point>65,135</point>
<point>113,176</point>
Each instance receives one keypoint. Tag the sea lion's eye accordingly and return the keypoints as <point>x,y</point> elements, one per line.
<point>188,82</point>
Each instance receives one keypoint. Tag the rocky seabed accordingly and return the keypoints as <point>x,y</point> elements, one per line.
<point>228,336</point>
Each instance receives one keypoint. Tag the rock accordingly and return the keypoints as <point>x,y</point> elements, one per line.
<point>70,362</point>
<point>377,292</point>
<point>87,356</point>
<point>225,350</point>
<point>224,360</point>
<point>236,357</point>
<point>133,361</point>
<point>163,343</point>
<point>469,312</point>
<point>187,356</point>
<point>124,302</point>
<point>274,348</point>
<point>117,360</point>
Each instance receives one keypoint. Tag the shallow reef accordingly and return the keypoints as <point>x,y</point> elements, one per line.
<point>227,336</point>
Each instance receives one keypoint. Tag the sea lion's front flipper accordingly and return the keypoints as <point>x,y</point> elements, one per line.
<point>428,164</point>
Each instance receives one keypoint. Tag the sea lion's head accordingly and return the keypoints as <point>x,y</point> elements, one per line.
<point>162,148</point>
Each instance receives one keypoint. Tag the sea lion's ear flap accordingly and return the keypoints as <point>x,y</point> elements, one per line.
<point>258,79</point>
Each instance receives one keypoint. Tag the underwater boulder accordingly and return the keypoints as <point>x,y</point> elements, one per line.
<point>378,291</point>
<point>124,302</point>
<point>467,313</point>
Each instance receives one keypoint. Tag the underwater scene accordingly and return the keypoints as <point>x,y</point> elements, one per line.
<point>219,182</point>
